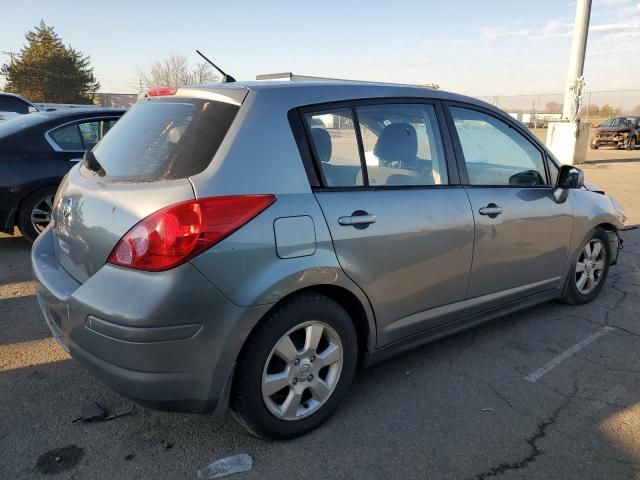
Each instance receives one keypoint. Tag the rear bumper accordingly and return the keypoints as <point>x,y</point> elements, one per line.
<point>167,340</point>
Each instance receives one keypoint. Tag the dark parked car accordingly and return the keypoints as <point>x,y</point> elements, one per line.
<point>12,105</point>
<point>620,132</point>
<point>36,151</point>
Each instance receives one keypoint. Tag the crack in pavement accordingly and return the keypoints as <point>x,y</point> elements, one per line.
<point>532,441</point>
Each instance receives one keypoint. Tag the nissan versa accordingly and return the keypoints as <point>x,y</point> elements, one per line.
<point>250,244</point>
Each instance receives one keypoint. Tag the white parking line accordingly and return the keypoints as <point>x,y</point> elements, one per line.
<point>534,376</point>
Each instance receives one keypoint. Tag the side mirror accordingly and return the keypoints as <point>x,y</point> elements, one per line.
<point>569,177</point>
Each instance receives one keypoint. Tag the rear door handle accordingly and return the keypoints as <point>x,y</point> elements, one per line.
<point>492,210</point>
<point>357,219</point>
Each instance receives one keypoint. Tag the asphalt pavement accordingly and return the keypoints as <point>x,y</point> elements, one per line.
<point>552,392</point>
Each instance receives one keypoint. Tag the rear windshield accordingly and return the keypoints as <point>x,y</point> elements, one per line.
<point>164,139</point>
<point>17,124</point>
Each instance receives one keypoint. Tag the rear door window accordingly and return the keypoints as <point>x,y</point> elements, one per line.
<point>164,139</point>
<point>92,132</point>
<point>401,145</point>
<point>80,136</point>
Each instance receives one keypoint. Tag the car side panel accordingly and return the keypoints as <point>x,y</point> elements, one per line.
<point>522,250</point>
<point>23,174</point>
<point>590,209</point>
<point>414,261</point>
<point>246,267</point>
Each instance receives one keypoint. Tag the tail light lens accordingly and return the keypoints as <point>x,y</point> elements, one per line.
<point>175,234</point>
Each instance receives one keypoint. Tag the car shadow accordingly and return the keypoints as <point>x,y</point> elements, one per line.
<point>612,160</point>
<point>13,253</point>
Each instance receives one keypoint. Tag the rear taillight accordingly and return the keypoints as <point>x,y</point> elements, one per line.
<point>162,91</point>
<point>175,234</point>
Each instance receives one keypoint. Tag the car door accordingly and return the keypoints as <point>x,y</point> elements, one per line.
<point>401,224</point>
<point>522,234</point>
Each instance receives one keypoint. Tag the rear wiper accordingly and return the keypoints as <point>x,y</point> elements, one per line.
<point>91,162</point>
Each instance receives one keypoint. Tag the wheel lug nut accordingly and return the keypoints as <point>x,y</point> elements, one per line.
<point>296,361</point>
<point>294,381</point>
<point>313,358</point>
<point>310,377</point>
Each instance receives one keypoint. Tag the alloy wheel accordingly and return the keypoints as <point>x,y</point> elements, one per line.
<point>302,370</point>
<point>41,213</point>
<point>590,266</point>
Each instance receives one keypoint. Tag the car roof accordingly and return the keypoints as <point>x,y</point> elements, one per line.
<point>328,91</point>
<point>75,111</point>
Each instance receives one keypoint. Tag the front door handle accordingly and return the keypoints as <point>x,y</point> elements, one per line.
<point>492,210</point>
<point>358,219</point>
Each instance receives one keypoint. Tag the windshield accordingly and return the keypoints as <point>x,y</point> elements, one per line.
<point>164,139</point>
<point>620,122</point>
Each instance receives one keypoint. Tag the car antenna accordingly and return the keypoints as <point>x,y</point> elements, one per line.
<point>225,77</point>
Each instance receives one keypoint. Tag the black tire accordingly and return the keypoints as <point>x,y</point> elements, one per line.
<point>572,295</point>
<point>246,400</point>
<point>28,230</point>
<point>631,144</point>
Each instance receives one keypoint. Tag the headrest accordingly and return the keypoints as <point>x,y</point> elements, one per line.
<point>322,142</point>
<point>397,142</point>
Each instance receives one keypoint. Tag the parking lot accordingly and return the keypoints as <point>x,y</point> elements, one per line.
<point>553,392</point>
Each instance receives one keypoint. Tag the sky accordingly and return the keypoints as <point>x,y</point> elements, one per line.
<point>481,48</point>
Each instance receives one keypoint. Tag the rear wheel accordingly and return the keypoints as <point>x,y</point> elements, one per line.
<point>589,269</point>
<point>35,213</point>
<point>295,369</point>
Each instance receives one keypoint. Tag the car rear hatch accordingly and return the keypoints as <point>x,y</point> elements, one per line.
<point>142,165</point>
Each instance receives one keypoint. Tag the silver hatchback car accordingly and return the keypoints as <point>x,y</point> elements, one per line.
<point>250,244</point>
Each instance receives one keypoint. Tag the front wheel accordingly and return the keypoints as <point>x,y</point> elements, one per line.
<point>589,269</point>
<point>631,145</point>
<point>295,368</point>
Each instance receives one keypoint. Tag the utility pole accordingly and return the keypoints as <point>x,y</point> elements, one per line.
<point>576,57</point>
<point>11,55</point>
<point>568,139</point>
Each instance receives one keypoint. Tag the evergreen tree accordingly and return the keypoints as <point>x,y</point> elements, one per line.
<point>48,71</point>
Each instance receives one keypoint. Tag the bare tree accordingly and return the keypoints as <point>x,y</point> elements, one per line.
<point>175,71</point>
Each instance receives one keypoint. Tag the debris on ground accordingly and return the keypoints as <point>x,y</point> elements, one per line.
<point>93,412</point>
<point>59,460</point>
<point>226,466</point>
<point>487,409</point>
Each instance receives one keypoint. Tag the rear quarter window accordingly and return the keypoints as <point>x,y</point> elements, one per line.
<point>164,139</point>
